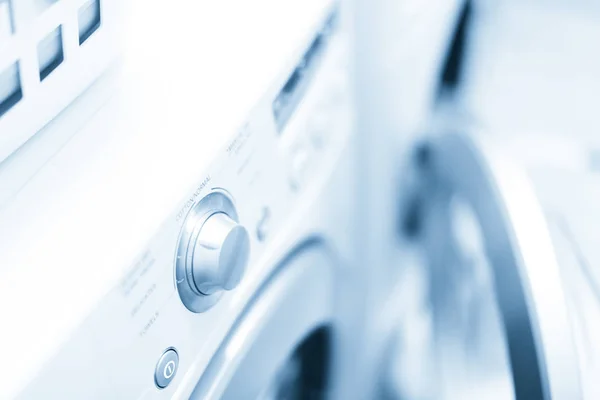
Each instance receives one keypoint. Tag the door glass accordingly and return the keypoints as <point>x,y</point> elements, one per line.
<point>304,375</point>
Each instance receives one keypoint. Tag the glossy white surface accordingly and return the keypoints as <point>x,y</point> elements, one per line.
<point>71,231</point>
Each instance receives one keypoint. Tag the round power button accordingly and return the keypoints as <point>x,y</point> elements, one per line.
<point>166,368</point>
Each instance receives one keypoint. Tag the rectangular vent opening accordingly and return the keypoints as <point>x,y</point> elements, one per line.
<point>10,88</point>
<point>50,53</point>
<point>88,19</point>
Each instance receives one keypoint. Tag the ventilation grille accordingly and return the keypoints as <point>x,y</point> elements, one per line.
<point>50,51</point>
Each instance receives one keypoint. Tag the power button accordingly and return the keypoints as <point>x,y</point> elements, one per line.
<point>166,368</point>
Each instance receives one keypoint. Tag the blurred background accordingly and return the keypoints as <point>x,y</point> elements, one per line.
<point>501,99</point>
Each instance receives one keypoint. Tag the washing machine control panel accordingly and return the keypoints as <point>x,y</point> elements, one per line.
<point>153,334</point>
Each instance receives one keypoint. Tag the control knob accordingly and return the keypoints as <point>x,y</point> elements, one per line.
<point>212,252</point>
<point>220,254</point>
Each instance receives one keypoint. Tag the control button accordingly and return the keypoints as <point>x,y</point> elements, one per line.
<point>299,164</point>
<point>318,128</point>
<point>166,368</point>
<point>339,90</point>
<point>220,255</point>
<point>262,227</point>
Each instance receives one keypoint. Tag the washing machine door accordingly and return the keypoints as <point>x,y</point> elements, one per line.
<point>497,308</point>
<point>280,347</point>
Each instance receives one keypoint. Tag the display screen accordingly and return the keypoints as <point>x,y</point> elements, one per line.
<point>295,86</point>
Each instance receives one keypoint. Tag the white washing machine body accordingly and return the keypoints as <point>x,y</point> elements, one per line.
<point>99,285</point>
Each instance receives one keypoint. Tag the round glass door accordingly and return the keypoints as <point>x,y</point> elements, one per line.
<point>280,348</point>
<point>304,375</point>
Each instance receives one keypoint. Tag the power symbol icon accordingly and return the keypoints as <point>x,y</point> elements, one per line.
<point>169,369</point>
<point>166,368</point>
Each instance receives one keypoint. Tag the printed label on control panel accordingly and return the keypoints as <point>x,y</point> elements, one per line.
<point>143,300</point>
<point>141,268</point>
<point>239,141</point>
<point>190,202</point>
<point>149,324</point>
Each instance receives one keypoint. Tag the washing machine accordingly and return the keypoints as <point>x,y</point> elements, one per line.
<point>193,237</point>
